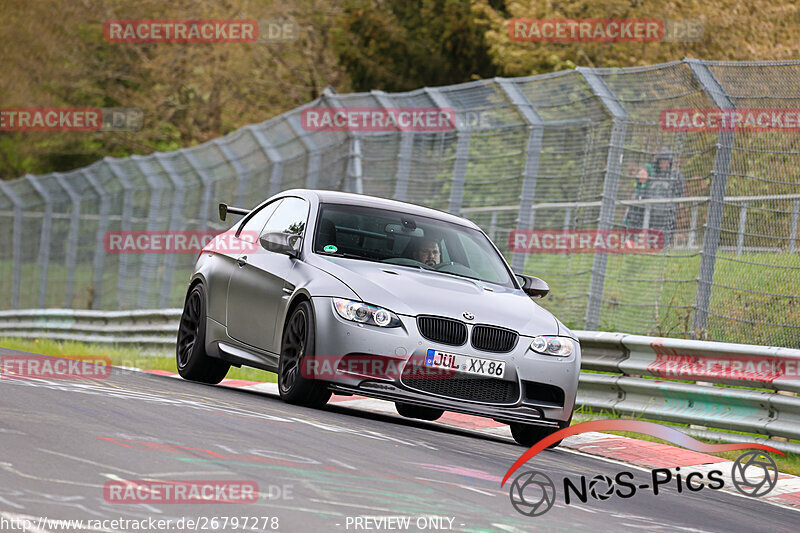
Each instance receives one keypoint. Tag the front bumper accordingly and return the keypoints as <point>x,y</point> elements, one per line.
<point>543,388</point>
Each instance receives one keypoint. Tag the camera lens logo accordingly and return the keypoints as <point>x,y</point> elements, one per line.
<point>532,493</point>
<point>754,474</point>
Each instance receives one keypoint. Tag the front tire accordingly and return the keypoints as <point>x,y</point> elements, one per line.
<point>418,412</point>
<point>192,360</point>
<point>299,340</point>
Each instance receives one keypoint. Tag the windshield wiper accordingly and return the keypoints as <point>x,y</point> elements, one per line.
<point>347,255</point>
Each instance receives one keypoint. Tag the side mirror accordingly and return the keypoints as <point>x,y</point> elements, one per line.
<point>532,286</point>
<point>281,243</point>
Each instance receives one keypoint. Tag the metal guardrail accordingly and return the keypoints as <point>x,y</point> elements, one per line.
<point>754,388</point>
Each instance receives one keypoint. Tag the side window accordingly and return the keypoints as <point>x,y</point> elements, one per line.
<point>290,217</point>
<point>252,226</point>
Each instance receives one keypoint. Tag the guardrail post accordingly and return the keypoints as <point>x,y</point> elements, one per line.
<point>72,237</point>
<point>610,184</point>
<point>719,182</point>
<point>124,225</point>
<point>176,217</point>
<point>274,156</point>
<point>793,234</point>
<point>531,170</point>
<point>99,260</point>
<point>44,238</point>
<point>462,153</point>
<point>16,242</point>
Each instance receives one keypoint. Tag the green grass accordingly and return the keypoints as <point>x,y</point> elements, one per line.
<point>121,356</point>
<point>635,300</point>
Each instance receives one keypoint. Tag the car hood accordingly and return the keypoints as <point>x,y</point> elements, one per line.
<point>409,291</point>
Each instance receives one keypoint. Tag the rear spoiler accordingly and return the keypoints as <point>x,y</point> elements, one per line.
<point>224,209</point>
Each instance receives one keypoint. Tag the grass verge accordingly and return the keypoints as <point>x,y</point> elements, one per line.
<point>121,356</point>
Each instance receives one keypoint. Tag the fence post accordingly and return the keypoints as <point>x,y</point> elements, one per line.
<point>719,182</point>
<point>72,237</point>
<point>147,272</point>
<point>242,175</point>
<point>176,217</point>
<point>204,211</point>
<point>16,242</point>
<point>612,174</point>
<point>531,170</point>
<point>44,239</point>
<point>274,156</point>
<point>124,225</point>
<point>793,234</point>
<point>314,157</point>
<point>99,260</point>
<point>742,224</point>
<point>693,225</point>
<point>462,153</point>
<point>403,153</point>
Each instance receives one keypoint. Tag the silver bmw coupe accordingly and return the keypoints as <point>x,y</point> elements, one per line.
<point>349,294</point>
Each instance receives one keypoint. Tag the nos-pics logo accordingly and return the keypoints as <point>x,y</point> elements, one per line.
<point>533,493</point>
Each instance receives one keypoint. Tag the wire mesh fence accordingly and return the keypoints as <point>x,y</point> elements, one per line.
<point>528,159</point>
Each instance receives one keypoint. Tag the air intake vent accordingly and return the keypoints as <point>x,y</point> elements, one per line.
<point>442,330</point>
<point>493,339</point>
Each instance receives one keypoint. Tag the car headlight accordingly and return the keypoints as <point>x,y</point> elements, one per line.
<point>557,346</point>
<point>365,314</point>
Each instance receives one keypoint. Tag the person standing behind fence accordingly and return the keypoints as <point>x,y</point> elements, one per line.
<point>634,217</point>
<point>667,182</point>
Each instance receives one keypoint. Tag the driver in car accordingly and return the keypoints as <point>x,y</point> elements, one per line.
<point>427,251</point>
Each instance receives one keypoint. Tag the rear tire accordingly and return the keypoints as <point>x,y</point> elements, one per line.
<point>418,412</point>
<point>528,434</point>
<point>299,340</point>
<point>192,360</point>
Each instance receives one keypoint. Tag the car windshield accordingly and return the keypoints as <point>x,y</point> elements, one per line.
<point>397,238</point>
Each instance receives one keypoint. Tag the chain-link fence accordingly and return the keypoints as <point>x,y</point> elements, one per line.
<point>587,149</point>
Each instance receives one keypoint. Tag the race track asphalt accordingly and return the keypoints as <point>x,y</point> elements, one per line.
<point>63,440</point>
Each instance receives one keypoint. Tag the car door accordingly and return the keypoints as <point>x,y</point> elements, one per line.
<point>259,283</point>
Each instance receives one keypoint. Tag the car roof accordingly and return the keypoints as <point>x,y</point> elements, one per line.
<point>346,198</point>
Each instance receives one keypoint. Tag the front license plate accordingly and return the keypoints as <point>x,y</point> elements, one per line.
<point>465,364</point>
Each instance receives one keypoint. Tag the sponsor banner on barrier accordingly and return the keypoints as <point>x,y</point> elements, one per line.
<point>179,242</point>
<point>378,119</point>
<point>730,120</point>
<point>180,491</point>
<point>592,30</point>
<point>48,367</point>
<point>71,119</point>
<point>586,241</point>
